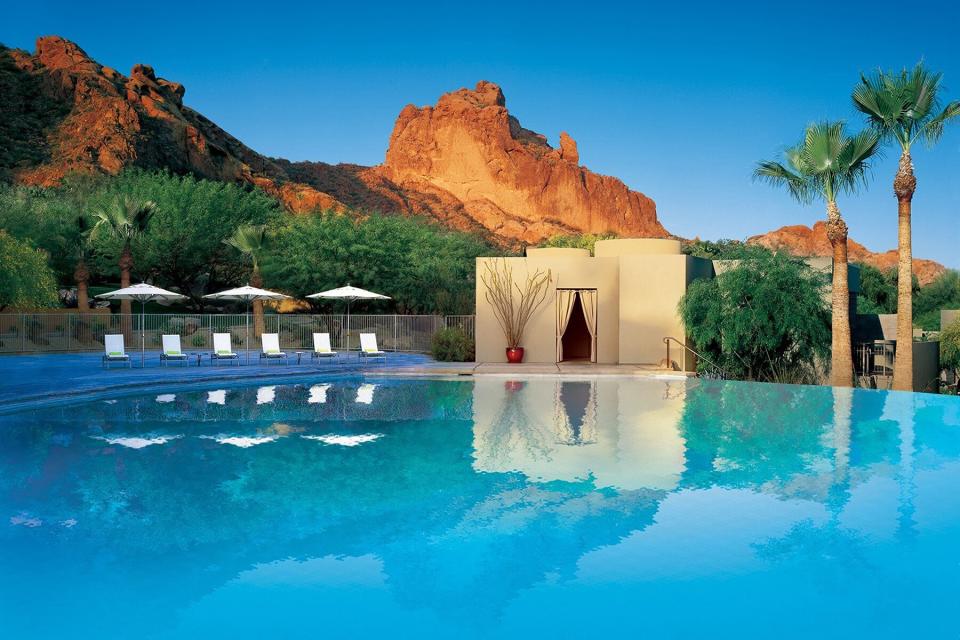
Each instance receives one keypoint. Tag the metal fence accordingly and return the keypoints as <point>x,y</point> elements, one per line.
<point>50,332</point>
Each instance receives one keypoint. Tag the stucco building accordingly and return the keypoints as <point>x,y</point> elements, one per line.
<point>614,307</point>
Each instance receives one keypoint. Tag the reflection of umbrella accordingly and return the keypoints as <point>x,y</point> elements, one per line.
<point>349,294</point>
<point>144,293</point>
<point>248,294</point>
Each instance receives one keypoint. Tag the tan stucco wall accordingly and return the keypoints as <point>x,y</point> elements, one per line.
<point>650,290</point>
<point>635,246</point>
<point>539,342</point>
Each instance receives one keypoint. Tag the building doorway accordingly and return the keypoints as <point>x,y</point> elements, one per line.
<point>576,342</point>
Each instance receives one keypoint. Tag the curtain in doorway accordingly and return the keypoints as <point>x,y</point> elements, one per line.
<point>588,300</point>
<point>565,299</point>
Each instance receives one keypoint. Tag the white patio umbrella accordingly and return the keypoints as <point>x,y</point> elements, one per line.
<point>144,293</point>
<point>349,294</point>
<point>247,294</point>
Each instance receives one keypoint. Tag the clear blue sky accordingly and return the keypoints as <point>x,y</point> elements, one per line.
<point>678,100</point>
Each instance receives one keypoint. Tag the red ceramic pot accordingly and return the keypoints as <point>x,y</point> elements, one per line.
<point>514,355</point>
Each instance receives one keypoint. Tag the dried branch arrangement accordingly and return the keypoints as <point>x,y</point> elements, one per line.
<point>513,306</point>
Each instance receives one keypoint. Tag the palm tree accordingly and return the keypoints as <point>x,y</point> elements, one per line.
<point>125,219</point>
<point>81,274</point>
<point>825,163</point>
<point>904,107</point>
<point>251,240</point>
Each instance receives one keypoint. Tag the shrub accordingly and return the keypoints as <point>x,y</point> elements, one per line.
<point>765,319</point>
<point>950,346</point>
<point>25,277</point>
<point>453,345</point>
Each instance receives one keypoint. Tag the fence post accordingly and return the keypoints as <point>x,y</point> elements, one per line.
<point>70,325</point>
<point>23,333</point>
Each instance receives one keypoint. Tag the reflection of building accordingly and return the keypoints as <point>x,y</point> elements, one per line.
<point>616,307</point>
<point>622,433</point>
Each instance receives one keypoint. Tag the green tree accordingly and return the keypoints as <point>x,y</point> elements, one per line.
<point>124,219</point>
<point>950,346</point>
<point>577,241</point>
<point>904,108</point>
<point>826,163</point>
<point>878,290</point>
<point>81,273</point>
<point>942,293</point>
<point>724,249</point>
<point>423,267</point>
<point>764,319</point>
<point>183,246</point>
<point>252,240</point>
<point>26,279</point>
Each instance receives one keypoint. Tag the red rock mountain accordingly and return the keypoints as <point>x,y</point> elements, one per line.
<point>466,161</point>
<point>803,241</point>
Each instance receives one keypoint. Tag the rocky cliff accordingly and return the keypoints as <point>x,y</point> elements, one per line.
<point>509,179</point>
<point>805,241</point>
<point>466,161</point>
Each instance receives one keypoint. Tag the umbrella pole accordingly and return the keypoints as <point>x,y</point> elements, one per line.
<point>348,325</point>
<point>248,332</point>
<point>143,303</point>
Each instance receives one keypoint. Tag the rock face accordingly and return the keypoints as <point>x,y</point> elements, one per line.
<point>801,240</point>
<point>466,162</point>
<point>508,178</point>
<point>109,121</point>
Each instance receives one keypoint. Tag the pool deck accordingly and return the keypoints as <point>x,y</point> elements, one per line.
<point>27,380</point>
<point>432,368</point>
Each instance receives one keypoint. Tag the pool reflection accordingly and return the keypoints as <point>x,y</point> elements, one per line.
<point>484,507</point>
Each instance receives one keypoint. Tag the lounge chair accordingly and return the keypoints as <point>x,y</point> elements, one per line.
<point>113,350</point>
<point>321,347</point>
<point>368,347</point>
<point>222,350</point>
<point>171,351</point>
<point>271,348</point>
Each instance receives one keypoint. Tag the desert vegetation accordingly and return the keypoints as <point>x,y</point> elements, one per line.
<point>199,236</point>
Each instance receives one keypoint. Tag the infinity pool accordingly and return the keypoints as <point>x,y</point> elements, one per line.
<point>483,508</point>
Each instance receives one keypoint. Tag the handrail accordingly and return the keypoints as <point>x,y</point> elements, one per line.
<point>722,373</point>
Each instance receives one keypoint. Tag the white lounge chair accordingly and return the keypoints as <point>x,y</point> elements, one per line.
<point>222,349</point>
<point>171,350</point>
<point>271,347</point>
<point>368,347</point>
<point>321,347</point>
<point>113,350</point>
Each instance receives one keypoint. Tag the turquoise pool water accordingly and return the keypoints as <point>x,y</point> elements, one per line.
<point>488,508</point>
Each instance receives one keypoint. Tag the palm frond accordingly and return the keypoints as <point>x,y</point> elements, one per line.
<point>778,175</point>
<point>933,129</point>
<point>903,106</point>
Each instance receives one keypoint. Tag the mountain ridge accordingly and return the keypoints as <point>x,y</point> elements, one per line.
<point>465,161</point>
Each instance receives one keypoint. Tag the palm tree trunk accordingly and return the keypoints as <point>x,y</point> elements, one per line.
<point>126,265</point>
<point>903,186</point>
<point>256,280</point>
<point>82,275</point>
<point>842,348</point>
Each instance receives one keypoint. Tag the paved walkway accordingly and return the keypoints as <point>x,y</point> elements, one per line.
<point>432,368</point>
